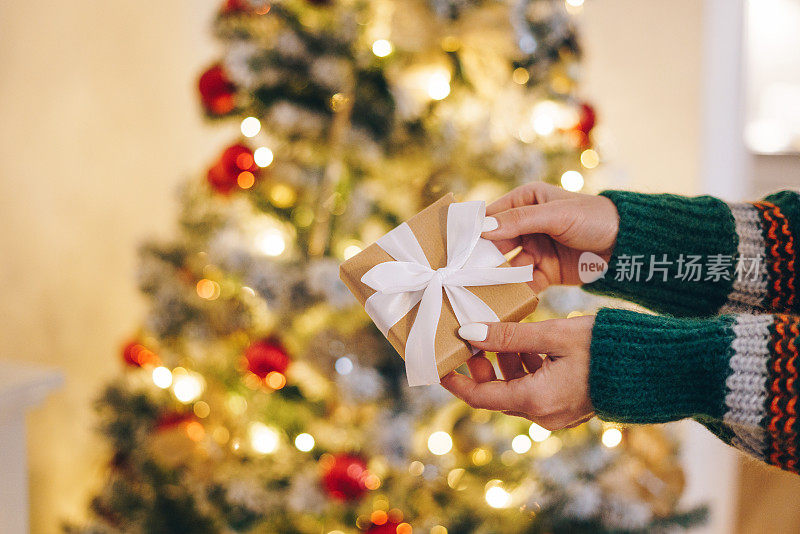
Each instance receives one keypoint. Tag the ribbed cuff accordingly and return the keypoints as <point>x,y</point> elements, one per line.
<point>652,226</point>
<point>781,213</point>
<point>653,369</point>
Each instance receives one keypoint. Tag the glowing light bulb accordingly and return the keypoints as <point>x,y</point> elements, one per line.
<point>186,387</point>
<point>350,251</point>
<point>250,126</point>
<point>246,179</point>
<point>282,196</point>
<point>416,468</point>
<point>162,377</point>
<point>439,85</point>
<point>263,156</point>
<point>271,242</point>
<point>590,159</point>
<point>344,365</point>
<point>382,48</point>
<point>275,380</point>
<point>208,289</point>
<point>497,497</point>
<point>543,118</point>
<point>440,442</point>
<point>263,439</point>
<point>520,76</point>
<point>538,433</point>
<point>201,409</point>
<point>611,437</point>
<point>574,3</point>
<point>481,456</point>
<point>379,517</point>
<point>521,444</point>
<point>572,181</point>
<point>304,442</point>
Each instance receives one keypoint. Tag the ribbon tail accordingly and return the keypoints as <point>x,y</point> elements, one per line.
<point>385,309</point>
<point>469,308</point>
<point>420,351</point>
<point>485,254</point>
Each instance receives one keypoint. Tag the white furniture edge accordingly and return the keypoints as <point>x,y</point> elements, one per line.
<point>22,387</point>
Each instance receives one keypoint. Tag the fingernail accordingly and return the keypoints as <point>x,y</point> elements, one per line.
<point>489,224</point>
<point>473,331</point>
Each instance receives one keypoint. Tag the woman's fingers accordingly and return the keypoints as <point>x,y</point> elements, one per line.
<point>524,195</point>
<point>507,245</point>
<point>543,337</point>
<point>532,362</point>
<point>480,368</point>
<point>553,219</point>
<point>502,395</point>
<point>510,365</point>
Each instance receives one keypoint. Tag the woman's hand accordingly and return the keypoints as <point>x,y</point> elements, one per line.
<point>553,227</point>
<point>553,392</point>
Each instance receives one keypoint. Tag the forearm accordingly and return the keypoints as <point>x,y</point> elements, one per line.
<point>700,256</point>
<point>734,373</point>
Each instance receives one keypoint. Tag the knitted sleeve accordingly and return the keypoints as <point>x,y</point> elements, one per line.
<point>701,256</point>
<point>736,374</point>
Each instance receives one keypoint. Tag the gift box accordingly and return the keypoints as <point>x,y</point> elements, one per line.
<point>431,274</point>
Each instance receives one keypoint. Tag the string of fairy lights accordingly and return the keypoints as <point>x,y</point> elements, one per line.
<point>262,439</point>
<point>545,119</point>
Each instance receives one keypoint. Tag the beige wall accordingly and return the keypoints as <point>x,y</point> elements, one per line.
<point>98,123</point>
<point>643,69</point>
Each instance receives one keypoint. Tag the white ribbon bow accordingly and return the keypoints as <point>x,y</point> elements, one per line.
<point>401,284</point>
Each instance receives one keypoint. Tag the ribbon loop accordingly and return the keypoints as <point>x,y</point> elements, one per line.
<point>409,280</point>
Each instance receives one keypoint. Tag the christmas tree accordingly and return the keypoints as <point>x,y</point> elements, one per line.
<point>258,396</point>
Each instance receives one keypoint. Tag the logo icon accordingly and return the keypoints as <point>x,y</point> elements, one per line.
<point>591,267</point>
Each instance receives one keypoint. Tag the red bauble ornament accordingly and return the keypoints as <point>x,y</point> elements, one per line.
<point>265,356</point>
<point>390,527</point>
<point>136,355</point>
<point>217,91</point>
<point>236,159</point>
<point>344,477</point>
<point>587,118</point>
<point>243,6</point>
<point>234,6</point>
<point>172,419</point>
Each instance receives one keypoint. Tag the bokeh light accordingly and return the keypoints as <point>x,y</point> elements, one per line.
<point>538,433</point>
<point>521,444</point>
<point>611,437</point>
<point>263,156</point>
<point>162,377</point>
<point>271,242</point>
<point>186,387</point>
<point>304,442</point>
<point>250,126</point>
<point>439,85</point>
<point>263,439</point>
<point>497,497</point>
<point>572,181</point>
<point>440,442</point>
<point>382,48</point>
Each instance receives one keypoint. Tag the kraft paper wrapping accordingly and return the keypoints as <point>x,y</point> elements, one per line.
<point>511,302</point>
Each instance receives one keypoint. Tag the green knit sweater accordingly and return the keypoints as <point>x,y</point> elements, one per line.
<point>725,352</point>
